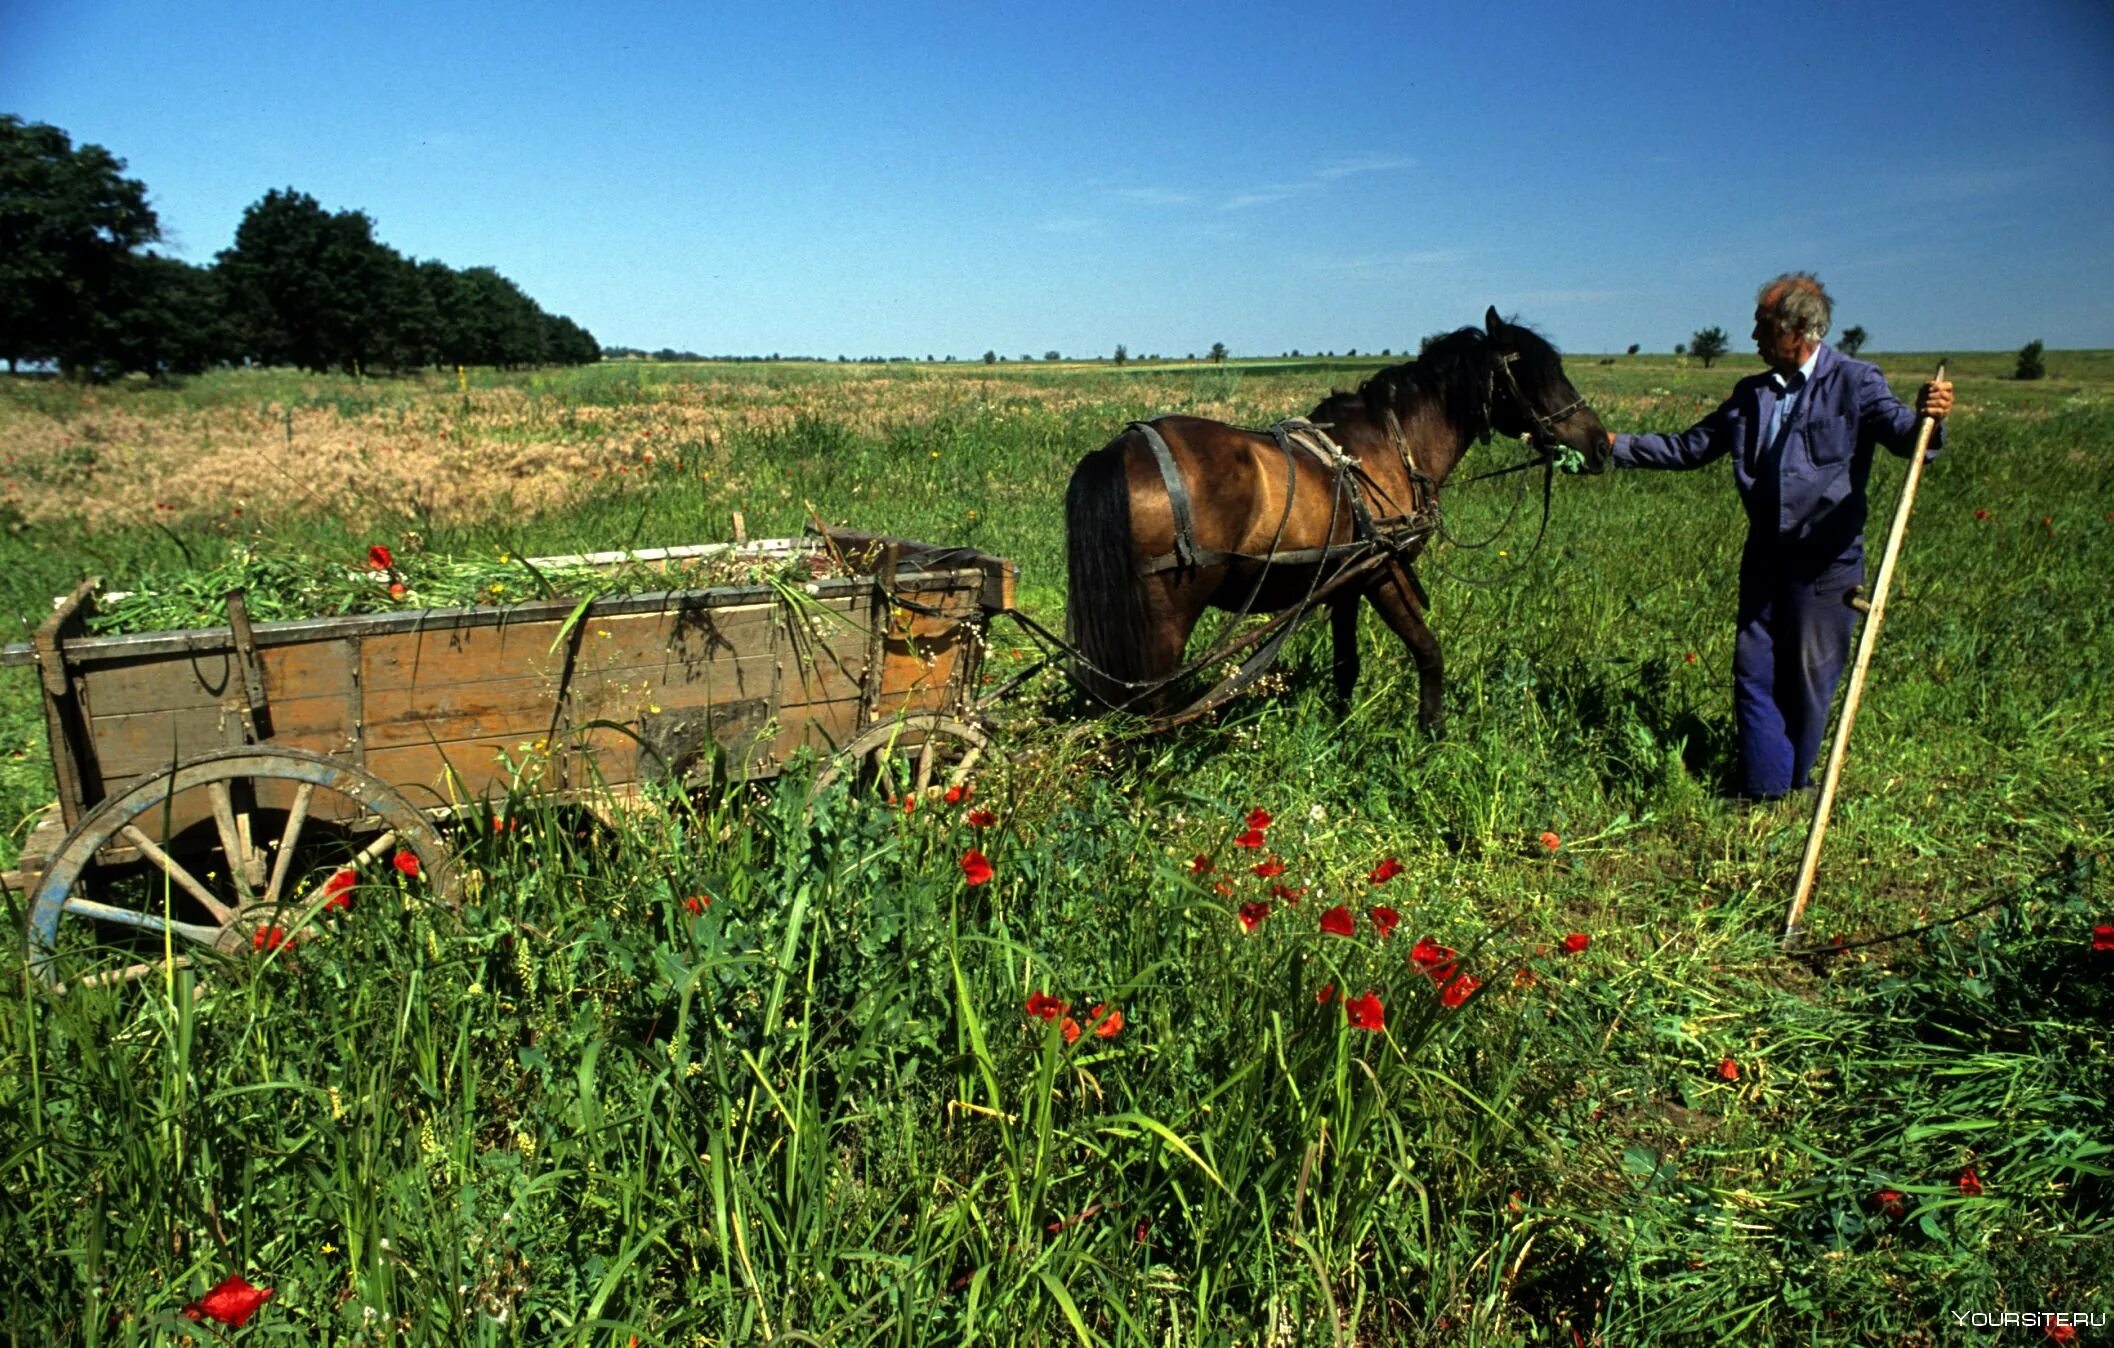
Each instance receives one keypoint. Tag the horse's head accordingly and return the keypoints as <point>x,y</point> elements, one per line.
<point>1530,395</point>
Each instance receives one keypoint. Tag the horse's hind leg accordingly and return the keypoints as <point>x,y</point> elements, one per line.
<point>1343,627</point>
<point>1395,595</point>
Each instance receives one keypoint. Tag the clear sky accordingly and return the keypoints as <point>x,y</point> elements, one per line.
<point>913,178</point>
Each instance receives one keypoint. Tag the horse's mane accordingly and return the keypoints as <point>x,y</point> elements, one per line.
<point>1455,371</point>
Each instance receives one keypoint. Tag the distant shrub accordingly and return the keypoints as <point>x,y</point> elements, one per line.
<point>2030,366</point>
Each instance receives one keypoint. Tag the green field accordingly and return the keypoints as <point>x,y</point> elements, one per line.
<point>818,1111</point>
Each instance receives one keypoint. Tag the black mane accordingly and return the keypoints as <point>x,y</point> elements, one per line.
<point>1455,370</point>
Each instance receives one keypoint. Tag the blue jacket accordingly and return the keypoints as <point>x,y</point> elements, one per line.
<point>1811,497</point>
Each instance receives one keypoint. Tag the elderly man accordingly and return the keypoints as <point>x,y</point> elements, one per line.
<point>1801,437</point>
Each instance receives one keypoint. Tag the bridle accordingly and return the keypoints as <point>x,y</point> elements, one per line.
<point>1543,436</point>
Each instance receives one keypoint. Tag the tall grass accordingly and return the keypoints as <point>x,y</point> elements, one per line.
<point>817,1109</point>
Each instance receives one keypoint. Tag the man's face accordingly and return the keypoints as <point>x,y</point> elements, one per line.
<point>1784,350</point>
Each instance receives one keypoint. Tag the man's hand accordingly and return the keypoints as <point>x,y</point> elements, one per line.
<point>1935,399</point>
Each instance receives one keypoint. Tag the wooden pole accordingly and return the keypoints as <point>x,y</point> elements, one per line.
<point>1874,612</point>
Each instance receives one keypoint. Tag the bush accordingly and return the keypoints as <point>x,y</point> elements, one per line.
<point>2030,366</point>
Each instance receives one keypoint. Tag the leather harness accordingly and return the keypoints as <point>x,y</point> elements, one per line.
<point>1392,532</point>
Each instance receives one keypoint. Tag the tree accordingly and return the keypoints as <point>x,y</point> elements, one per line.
<point>1851,342</point>
<point>1051,355</point>
<point>1218,353</point>
<point>69,224</point>
<point>1121,354</point>
<point>2030,366</point>
<point>1708,345</point>
<point>990,358</point>
<point>1633,349</point>
<point>1680,348</point>
<point>166,319</point>
<point>306,287</point>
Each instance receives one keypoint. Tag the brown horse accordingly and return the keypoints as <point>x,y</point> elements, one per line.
<point>1182,514</point>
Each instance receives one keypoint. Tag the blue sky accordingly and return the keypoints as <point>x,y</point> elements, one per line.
<point>916,179</point>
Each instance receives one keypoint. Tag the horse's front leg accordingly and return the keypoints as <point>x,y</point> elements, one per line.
<point>1343,627</point>
<point>1395,595</point>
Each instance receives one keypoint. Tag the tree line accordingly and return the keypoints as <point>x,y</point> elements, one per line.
<point>81,289</point>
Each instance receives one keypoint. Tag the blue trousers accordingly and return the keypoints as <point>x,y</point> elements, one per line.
<point>1794,636</point>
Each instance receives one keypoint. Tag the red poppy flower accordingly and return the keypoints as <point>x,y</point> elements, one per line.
<point>1042,1006</point>
<point>697,904</point>
<point>1252,914</point>
<point>1266,869</point>
<point>1338,921</point>
<point>1259,818</point>
<point>1690,657</point>
<point>1385,920</point>
<point>957,794</point>
<point>1325,994</point>
<point>1576,942</point>
<point>337,889</point>
<point>2103,939</point>
<point>1106,1020</point>
<point>1071,1030</point>
<point>396,589</point>
<point>1384,872</point>
<point>1252,840</point>
<point>1459,990</point>
<point>1729,1070</point>
<point>1429,954</point>
<point>910,805</point>
<point>1550,840</point>
<point>1201,864</point>
<point>1365,1013</point>
<point>980,818</point>
<point>1981,514</point>
<point>1970,1183</point>
<point>2062,1333</point>
<point>271,938</point>
<point>1223,888</point>
<point>1888,1201</point>
<point>232,1303</point>
<point>406,862</point>
<point>976,867</point>
<point>379,559</point>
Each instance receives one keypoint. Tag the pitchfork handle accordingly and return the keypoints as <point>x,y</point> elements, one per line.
<point>1874,611</point>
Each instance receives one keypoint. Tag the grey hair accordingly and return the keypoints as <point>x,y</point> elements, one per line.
<point>1802,304</point>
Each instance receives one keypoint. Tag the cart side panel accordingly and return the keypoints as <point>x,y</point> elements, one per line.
<point>147,714</point>
<point>927,659</point>
<point>685,679</point>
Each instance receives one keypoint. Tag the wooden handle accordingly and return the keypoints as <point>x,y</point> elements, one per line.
<point>1867,639</point>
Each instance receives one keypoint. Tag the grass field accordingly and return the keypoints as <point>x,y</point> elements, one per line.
<point>817,1109</point>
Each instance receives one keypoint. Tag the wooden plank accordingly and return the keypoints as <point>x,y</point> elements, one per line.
<point>676,637</point>
<point>528,707</point>
<point>823,726</point>
<point>145,743</point>
<point>206,679</point>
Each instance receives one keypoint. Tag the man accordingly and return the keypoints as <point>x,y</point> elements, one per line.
<point>1801,438</point>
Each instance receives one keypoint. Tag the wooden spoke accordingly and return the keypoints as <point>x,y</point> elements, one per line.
<point>132,974</point>
<point>175,871</point>
<point>288,838</point>
<point>234,840</point>
<point>133,917</point>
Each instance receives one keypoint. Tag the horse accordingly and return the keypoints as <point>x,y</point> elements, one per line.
<point>1181,514</point>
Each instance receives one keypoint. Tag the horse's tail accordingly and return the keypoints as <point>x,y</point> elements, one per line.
<point>1104,609</point>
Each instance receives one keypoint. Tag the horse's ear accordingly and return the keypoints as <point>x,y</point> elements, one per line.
<point>1492,324</point>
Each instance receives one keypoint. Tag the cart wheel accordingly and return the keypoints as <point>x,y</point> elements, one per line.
<point>213,854</point>
<point>909,756</point>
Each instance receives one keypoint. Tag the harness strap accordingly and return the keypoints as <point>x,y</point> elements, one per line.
<point>1299,431</point>
<point>1185,549</point>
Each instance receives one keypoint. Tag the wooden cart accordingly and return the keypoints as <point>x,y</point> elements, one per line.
<point>214,784</point>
